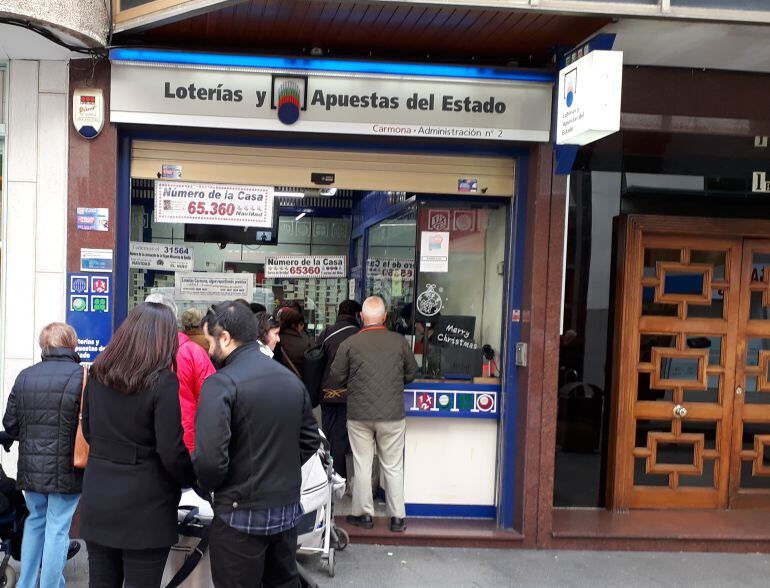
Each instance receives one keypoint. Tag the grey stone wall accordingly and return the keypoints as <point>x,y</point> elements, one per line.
<point>85,22</point>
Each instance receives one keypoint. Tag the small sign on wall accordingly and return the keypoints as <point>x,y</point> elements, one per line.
<point>96,260</point>
<point>88,112</point>
<point>93,219</point>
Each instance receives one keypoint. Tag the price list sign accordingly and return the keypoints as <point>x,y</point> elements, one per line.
<point>214,204</point>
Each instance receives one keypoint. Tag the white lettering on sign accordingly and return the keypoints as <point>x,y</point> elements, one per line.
<point>158,256</point>
<point>214,204</point>
<point>305,266</point>
<point>759,182</point>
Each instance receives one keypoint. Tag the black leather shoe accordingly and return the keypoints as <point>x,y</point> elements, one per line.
<point>397,525</point>
<point>363,521</point>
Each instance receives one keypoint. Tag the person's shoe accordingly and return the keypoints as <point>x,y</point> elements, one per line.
<point>363,521</point>
<point>397,525</point>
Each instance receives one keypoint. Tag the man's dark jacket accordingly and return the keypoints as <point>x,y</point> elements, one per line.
<point>42,413</point>
<point>346,326</point>
<point>374,364</point>
<point>253,431</point>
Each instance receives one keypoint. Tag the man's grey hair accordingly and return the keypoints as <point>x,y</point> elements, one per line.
<point>373,310</point>
<point>165,301</point>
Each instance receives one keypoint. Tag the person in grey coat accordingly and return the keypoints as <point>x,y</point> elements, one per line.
<point>374,365</point>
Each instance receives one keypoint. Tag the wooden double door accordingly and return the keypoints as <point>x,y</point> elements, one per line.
<point>691,374</point>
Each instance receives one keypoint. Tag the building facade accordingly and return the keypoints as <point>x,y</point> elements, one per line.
<point>599,308</point>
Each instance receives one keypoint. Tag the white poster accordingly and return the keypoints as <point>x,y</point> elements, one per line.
<point>214,204</point>
<point>434,251</point>
<point>305,266</point>
<point>216,287</point>
<point>159,256</point>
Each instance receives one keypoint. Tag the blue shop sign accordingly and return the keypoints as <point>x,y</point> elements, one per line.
<point>89,312</point>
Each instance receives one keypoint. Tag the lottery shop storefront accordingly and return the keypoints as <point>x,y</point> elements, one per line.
<point>278,180</point>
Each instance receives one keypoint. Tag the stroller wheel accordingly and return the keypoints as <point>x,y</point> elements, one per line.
<point>330,563</point>
<point>8,579</point>
<point>343,539</point>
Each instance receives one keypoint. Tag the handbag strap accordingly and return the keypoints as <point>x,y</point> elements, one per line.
<point>330,335</point>
<point>291,363</point>
<point>192,560</point>
<point>83,392</point>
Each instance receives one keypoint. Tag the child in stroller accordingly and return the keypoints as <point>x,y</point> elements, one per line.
<point>13,513</point>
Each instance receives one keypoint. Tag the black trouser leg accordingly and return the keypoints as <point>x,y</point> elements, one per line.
<point>334,422</point>
<point>281,561</point>
<point>143,568</point>
<point>105,566</point>
<point>237,559</point>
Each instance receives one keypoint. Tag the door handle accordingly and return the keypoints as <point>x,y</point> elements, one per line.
<point>680,411</point>
<point>738,391</point>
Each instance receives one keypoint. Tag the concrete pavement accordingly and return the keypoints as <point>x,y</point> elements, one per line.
<point>374,566</point>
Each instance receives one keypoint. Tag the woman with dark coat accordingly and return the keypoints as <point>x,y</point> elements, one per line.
<point>293,342</point>
<point>138,462</point>
<point>42,414</point>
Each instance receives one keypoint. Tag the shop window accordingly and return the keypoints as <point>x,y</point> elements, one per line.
<point>459,291</point>
<point>298,234</point>
<point>390,265</point>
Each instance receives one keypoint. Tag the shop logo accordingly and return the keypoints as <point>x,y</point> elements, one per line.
<point>425,402</point>
<point>570,87</point>
<point>100,285</point>
<point>443,401</point>
<point>100,304</point>
<point>78,303</point>
<point>485,403</point>
<point>289,97</point>
<point>79,284</point>
<point>438,220</point>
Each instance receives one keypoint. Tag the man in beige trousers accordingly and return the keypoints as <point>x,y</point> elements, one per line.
<point>374,365</point>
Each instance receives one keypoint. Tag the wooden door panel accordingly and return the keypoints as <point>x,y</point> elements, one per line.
<point>750,467</point>
<point>678,303</point>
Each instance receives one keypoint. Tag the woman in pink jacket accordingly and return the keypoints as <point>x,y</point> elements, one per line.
<point>193,366</point>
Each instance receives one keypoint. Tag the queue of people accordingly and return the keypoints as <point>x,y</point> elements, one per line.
<point>161,414</point>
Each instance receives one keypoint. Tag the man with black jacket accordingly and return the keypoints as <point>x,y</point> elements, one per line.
<point>254,430</point>
<point>334,408</point>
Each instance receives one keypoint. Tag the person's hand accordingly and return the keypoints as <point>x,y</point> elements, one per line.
<point>6,441</point>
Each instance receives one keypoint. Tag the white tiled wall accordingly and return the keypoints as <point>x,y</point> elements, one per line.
<point>36,214</point>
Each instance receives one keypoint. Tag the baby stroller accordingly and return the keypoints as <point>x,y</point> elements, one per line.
<point>13,513</point>
<point>316,531</point>
<point>317,534</point>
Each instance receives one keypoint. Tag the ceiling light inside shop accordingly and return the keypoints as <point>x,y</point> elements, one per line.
<point>300,215</point>
<point>328,192</point>
<point>289,194</point>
